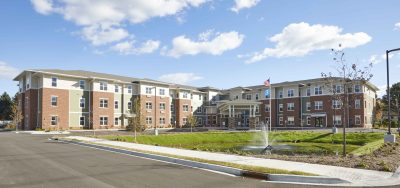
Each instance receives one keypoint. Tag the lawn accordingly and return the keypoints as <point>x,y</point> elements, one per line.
<point>301,142</point>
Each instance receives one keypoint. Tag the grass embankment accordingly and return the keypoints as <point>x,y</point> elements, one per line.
<point>304,142</point>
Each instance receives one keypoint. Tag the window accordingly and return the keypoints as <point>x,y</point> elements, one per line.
<point>191,96</point>
<point>290,106</point>
<point>267,120</point>
<point>318,105</point>
<point>200,98</point>
<point>280,120</point>
<point>82,103</point>
<point>357,104</point>
<point>349,89</point>
<point>186,108</point>
<point>248,97</point>
<point>267,107</point>
<point>148,90</point>
<point>199,109</point>
<point>338,88</point>
<point>185,95</point>
<point>365,104</point>
<point>54,120</point>
<point>130,89</point>
<point>129,105</point>
<point>290,93</point>
<point>337,120</point>
<point>199,121</point>
<point>308,106</point>
<point>54,100</point>
<point>280,107</point>
<point>103,86</point>
<point>149,120</point>
<point>256,96</point>
<point>357,89</point>
<point>103,120</point>
<point>162,106</point>
<point>116,104</point>
<point>54,81</point>
<point>308,91</point>
<point>149,105</point>
<point>172,107</point>
<point>116,88</point>
<point>82,84</point>
<point>82,121</point>
<point>184,120</point>
<point>318,90</point>
<point>358,120</point>
<point>162,91</point>
<point>290,120</point>
<point>336,104</point>
<point>280,94</point>
<point>116,121</point>
<point>103,103</point>
<point>257,109</point>
<point>308,120</point>
<point>162,120</point>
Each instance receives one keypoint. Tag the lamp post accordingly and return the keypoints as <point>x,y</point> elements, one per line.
<point>389,137</point>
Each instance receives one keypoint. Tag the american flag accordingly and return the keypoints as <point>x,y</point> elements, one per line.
<point>267,83</point>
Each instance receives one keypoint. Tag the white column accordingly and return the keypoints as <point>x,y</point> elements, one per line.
<point>233,110</point>
<point>250,112</point>
<point>229,108</point>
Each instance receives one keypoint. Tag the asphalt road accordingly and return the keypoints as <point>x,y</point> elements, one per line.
<point>33,161</point>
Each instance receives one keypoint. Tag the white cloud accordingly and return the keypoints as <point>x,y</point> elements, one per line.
<point>43,6</point>
<point>241,4</point>
<point>7,71</point>
<point>128,47</point>
<point>219,44</point>
<point>397,26</point>
<point>180,78</point>
<point>103,21</point>
<point>375,59</point>
<point>299,39</point>
<point>101,35</point>
<point>382,90</point>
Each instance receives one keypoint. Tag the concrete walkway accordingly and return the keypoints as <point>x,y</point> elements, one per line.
<point>358,177</point>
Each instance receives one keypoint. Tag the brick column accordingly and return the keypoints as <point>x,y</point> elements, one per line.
<point>252,122</point>
<point>231,122</point>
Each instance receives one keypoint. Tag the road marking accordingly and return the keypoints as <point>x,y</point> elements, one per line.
<point>131,155</point>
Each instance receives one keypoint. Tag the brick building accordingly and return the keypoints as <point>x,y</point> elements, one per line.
<point>75,99</point>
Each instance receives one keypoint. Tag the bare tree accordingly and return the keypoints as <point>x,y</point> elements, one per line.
<point>191,121</point>
<point>136,122</point>
<point>16,115</point>
<point>341,84</point>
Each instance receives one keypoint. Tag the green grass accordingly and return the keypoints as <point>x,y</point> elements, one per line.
<point>302,142</point>
<point>368,148</point>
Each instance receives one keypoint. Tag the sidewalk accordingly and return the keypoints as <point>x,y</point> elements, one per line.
<point>356,176</point>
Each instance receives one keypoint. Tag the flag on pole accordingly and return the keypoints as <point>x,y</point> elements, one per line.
<point>267,83</point>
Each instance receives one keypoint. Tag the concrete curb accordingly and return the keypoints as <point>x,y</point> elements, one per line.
<point>320,180</point>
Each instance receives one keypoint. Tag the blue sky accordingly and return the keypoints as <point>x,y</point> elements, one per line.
<point>220,43</point>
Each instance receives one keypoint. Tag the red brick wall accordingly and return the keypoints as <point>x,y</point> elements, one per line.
<point>61,110</point>
<point>180,114</point>
<point>156,113</point>
<point>97,112</point>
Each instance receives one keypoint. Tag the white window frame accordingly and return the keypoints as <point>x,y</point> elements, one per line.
<point>257,96</point>
<point>163,106</point>
<point>280,120</point>
<point>308,120</point>
<point>308,91</point>
<point>199,121</point>
<point>355,120</point>
<point>289,120</point>
<point>161,91</point>
<point>290,106</point>
<point>318,90</point>
<point>280,107</point>
<point>359,88</point>
<point>149,105</point>
<point>129,89</point>
<point>80,121</point>
<point>55,120</point>
<point>103,120</point>
<point>116,88</point>
<point>248,97</point>
<point>116,121</point>
<point>336,104</point>
<point>56,100</point>
<point>290,93</point>
<point>185,95</point>
<point>116,104</point>
<point>267,108</point>
<point>162,120</point>
<point>318,105</point>
<point>308,106</point>
<point>82,84</point>
<point>129,105</point>
<point>280,94</point>
<point>54,83</point>
<point>337,120</point>
<point>184,120</point>
<point>103,86</point>
<point>149,120</point>
<point>80,102</point>
<point>103,103</point>
<point>185,108</point>
<point>357,104</point>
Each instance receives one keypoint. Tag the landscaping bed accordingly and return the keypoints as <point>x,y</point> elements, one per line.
<point>366,150</point>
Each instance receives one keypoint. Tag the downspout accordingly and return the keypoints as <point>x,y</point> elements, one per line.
<point>37,113</point>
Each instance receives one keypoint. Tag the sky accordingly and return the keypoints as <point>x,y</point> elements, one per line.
<point>218,43</point>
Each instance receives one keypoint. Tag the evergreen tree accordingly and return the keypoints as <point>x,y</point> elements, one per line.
<point>5,107</point>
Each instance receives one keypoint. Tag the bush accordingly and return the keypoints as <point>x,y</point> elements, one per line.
<point>10,126</point>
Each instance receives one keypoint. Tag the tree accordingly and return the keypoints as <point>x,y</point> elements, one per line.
<point>191,121</point>
<point>379,110</point>
<point>6,105</point>
<point>16,114</point>
<point>394,97</point>
<point>136,122</point>
<point>341,84</point>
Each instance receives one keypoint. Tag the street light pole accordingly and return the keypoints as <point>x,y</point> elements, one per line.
<point>388,88</point>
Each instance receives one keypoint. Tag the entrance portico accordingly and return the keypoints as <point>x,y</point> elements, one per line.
<point>239,114</point>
